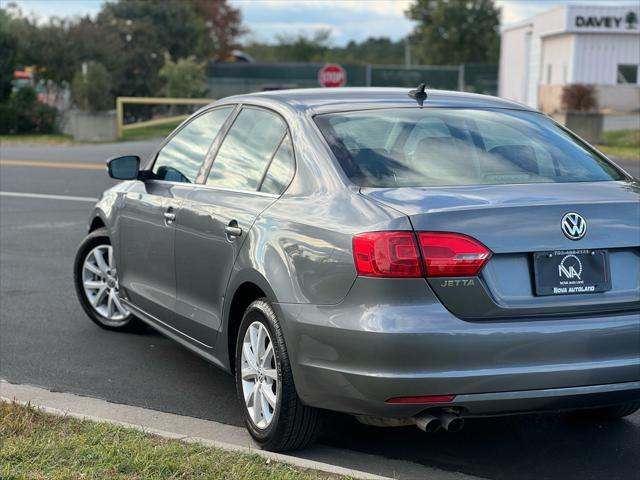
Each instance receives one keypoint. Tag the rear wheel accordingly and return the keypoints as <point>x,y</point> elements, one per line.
<point>96,282</point>
<point>609,413</point>
<point>273,414</point>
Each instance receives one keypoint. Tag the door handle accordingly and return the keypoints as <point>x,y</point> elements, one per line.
<point>233,230</point>
<point>169,216</point>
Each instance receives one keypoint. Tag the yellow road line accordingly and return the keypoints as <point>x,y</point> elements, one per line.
<point>33,163</point>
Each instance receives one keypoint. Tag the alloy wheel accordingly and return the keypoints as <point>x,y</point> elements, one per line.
<point>101,287</point>
<point>259,375</point>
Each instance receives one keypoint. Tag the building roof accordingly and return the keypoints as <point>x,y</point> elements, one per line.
<point>324,100</point>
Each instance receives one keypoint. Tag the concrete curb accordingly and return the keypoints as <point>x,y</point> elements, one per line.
<point>17,393</point>
<point>218,435</point>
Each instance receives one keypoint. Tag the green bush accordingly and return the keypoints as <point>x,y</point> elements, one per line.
<point>24,102</point>
<point>91,88</point>
<point>22,113</point>
<point>44,119</point>
<point>185,77</point>
<point>8,118</point>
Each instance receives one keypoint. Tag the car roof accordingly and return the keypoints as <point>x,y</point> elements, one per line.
<point>326,100</point>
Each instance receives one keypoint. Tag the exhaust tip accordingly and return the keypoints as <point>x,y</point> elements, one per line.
<point>451,423</point>
<point>427,423</point>
<point>456,425</point>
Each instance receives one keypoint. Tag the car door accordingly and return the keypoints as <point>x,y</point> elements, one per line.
<point>252,166</point>
<point>149,210</point>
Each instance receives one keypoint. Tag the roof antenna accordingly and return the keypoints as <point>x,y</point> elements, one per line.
<point>419,95</point>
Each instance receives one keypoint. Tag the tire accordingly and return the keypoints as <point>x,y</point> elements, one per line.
<point>613,412</point>
<point>121,319</point>
<point>292,424</point>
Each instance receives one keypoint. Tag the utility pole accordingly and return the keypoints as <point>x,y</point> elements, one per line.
<point>407,52</point>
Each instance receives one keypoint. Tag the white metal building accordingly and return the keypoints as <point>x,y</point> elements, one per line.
<point>592,44</point>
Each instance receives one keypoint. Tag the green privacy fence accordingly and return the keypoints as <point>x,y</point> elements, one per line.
<point>480,78</point>
<point>445,78</point>
<point>233,78</point>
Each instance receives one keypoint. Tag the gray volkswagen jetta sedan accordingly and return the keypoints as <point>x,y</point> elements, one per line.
<point>409,258</point>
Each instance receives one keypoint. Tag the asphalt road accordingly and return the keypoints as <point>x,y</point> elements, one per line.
<point>46,340</point>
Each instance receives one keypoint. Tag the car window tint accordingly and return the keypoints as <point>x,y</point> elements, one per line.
<point>281,169</point>
<point>180,159</point>
<point>497,137</point>
<point>443,147</point>
<point>372,131</point>
<point>246,150</point>
<point>429,127</point>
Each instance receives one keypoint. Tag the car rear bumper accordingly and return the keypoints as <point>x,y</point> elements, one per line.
<point>503,403</point>
<point>394,339</point>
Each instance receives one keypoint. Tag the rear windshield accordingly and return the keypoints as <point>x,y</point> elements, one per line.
<point>439,147</point>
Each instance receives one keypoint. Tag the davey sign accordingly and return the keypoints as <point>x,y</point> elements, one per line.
<point>626,21</point>
<point>332,75</point>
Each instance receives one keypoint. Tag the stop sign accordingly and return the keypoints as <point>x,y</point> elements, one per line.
<point>332,75</point>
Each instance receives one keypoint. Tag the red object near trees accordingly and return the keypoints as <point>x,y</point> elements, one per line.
<point>332,75</point>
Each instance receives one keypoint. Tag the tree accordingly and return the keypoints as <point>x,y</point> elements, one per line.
<point>224,26</point>
<point>317,48</point>
<point>293,48</point>
<point>46,47</point>
<point>171,26</point>
<point>148,30</point>
<point>93,42</point>
<point>373,50</point>
<point>48,50</point>
<point>8,45</point>
<point>302,48</point>
<point>185,77</point>
<point>145,31</point>
<point>13,24</point>
<point>91,88</point>
<point>455,31</point>
<point>128,37</point>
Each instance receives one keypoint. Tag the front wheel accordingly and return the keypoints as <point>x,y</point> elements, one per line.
<point>273,413</point>
<point>96,282</point>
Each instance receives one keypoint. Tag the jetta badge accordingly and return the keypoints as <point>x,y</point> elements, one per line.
<point>574,226</point>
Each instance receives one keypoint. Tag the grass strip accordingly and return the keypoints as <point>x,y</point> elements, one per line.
<point>43,139</point>
<point>38,445</point>
<point>152,131</point>
<point>623,144</point>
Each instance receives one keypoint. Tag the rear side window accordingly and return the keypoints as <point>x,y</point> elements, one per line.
<point>280,172</point>
<point>180,159</point>
<point>247,150</point>
<point>448,147</point>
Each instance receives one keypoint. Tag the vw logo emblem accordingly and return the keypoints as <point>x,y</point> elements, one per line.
<point>573,226</point>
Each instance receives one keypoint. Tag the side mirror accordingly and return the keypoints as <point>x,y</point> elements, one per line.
<point>124,168</point>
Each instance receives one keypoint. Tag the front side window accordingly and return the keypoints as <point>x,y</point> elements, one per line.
<point>447,147</point>
<point>247,150</point>
<point>180,159</point>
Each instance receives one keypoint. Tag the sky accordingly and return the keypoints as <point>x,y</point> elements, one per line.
<point>346,19</point>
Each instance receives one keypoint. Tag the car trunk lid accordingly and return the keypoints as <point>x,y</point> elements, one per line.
<point>515,222</point>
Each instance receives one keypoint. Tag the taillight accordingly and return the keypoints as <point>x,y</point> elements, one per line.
<point>398,255</point>
<point>452,254</point>
<point>387,254</point>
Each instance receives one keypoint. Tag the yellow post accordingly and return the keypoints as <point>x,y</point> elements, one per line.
<point>119,117</point>
<point>120,101</point>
